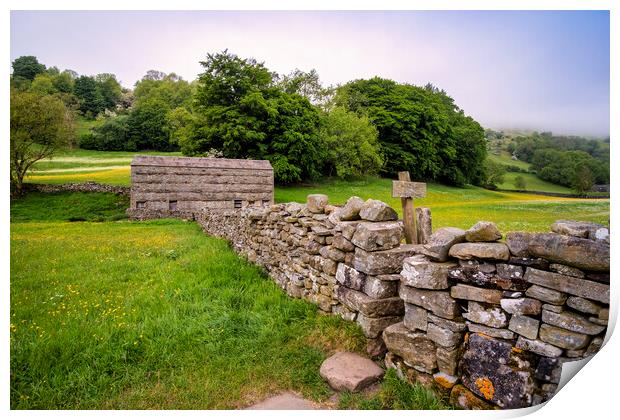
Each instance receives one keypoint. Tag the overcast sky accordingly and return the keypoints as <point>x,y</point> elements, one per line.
<point>531,70</point>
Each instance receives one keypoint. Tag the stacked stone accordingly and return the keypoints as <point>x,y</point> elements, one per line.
<point>425,347</point>
<point>346,260</point>
<point>501,318</point>
<point>367,280</point>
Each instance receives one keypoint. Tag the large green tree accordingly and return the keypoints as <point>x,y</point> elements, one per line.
<point>242,112</point>
<point>40,125</point>
<point>91,102</point>
<point>350,143</point>
<point>420,130</point>
<point>27,67</point>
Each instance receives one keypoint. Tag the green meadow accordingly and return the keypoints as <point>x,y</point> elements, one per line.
<point>112,314</point>
<point>450,206</point>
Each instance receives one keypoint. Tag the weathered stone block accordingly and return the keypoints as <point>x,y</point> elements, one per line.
<point>525,326</point>
<point>350,277</point>
<point>553,308</point>
<point>457,325</point>
<point>562,338</point>
<point>414,348</point>
<point>343,244</point>
<point>572,322</point>
<point>441,241</point>
<point>509,272</point>
<point>424,224</point>
<point>448,359</point>
<point>538,263</point>
<point>377,211</point>
<point>583,305</point>
<point>549,369</point>
<point>483,232</point>
<point>442,336</point>
<point>372,308</point>
<point>375,347</point>
<point>383,262</point>
<point>378,236</point>
<point>576,252</point>
<point>571,285</point>
<point>518,243</point>
<point>492,332</point>
<point>445,380</point>
<point>538,347</point>
<point>466,292</point>
<point>546,295</point>
<point>419,272</point>
<point>372,327</point>
<point>379,289</point>
<point>351,209</point>
<point>567,271</point>
<point>438,302</point>
<point>491,316</point>
<point>316,203</point>
<point>487,373</point>
<point>521,306</point>
<point>346,371</point>
<point>332,253</point>
<point>464,398</point>
<point>482,250</point>
<point>587,230</point>
<point>416,318</point>
<point>594,347</point>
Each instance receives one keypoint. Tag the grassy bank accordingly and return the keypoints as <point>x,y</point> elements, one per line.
<point>157,315</point>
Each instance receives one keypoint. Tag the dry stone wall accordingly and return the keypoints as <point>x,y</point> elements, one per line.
<point>346,260</point>
<point>492,322</point>
<point>487,321</point>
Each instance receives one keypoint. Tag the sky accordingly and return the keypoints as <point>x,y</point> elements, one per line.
<point>535,70</point>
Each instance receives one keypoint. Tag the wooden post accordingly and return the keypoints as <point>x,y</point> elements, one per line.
<point>408,212</point>
<point>407,191</point>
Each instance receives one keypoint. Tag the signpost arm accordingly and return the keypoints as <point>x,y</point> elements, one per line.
<point>408,212</point>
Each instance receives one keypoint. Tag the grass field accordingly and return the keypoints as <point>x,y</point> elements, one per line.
<point>532,183</point>
<point>463,207</point>
<point>157,315</point>
<point>460,207</point>
<point>506,159</point>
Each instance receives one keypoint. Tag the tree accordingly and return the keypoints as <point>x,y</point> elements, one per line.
<point>351,144</point>
<point>583,180</point>
<point>89,96</point>
<point>494,173</point>
<point>420,130</point>
<point>27,67</point>
<point>149,128</point>
<point>240,111</point>
<point>169,88</point>
<point>40,125</point>
<point>520,183</point>
<point>113,134</point>
<point>110,90</point>
<point>308,85</point>
<point>43,84</point>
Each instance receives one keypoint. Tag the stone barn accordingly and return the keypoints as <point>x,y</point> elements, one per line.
<point>188,185</point>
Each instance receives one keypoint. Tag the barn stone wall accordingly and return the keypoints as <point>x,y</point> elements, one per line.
<point>195,184</point>
<point>486,321</point>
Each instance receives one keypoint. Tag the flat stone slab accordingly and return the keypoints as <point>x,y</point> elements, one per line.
<point>285,401</point>
<point>346,371</point>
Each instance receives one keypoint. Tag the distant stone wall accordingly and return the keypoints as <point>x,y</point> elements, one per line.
<point>79,187</point>
<point>487,322</point>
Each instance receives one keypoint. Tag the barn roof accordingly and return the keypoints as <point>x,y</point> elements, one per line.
<point>198,162</point>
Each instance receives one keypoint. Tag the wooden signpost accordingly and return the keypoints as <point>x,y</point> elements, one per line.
<point>407,191</point>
